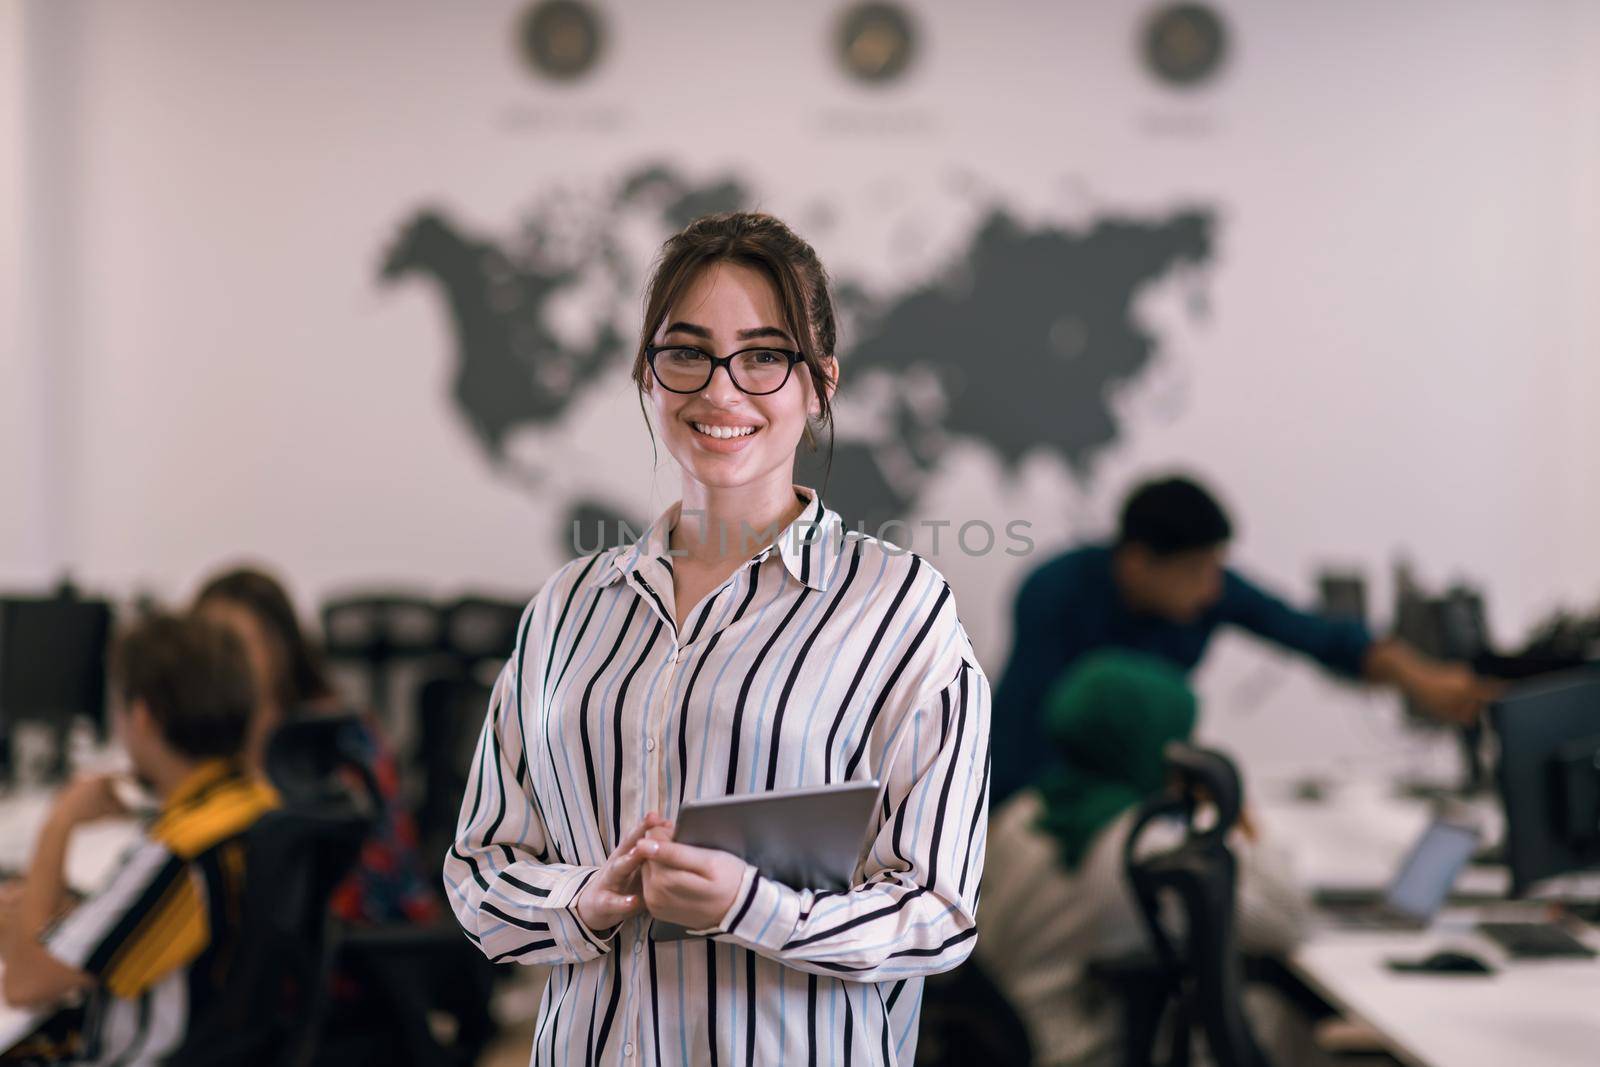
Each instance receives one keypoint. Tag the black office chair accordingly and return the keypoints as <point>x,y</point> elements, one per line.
<point>450,711</point>
<point>377,631</point>
<point>306,756</point>
<point>477,636</point>
<point>967,1020</point>
<point>479,629</point>
<point>277,991</point>
<point>1194,981</point>
<point>404,973</point>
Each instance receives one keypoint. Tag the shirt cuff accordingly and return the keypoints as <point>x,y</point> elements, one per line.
<point>581,932</point>
<point>559,904</point>
<point>763,915</point>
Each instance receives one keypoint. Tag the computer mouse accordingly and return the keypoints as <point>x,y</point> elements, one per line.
<point>1310,791</point>
<point>1450,961</point>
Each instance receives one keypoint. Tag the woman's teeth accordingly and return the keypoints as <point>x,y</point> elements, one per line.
<point>724,432</point>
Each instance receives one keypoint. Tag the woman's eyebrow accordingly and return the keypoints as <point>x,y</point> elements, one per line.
<point>694,330</point>
<point>763,331</point>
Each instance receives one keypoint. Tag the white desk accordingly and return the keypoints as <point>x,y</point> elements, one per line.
<point>92,852</point>
<point>1531,1013</point>
<point>1356,836</point>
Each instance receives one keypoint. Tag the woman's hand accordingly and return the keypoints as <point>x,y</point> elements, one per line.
<point>693,887</point>
<point>612,895</point>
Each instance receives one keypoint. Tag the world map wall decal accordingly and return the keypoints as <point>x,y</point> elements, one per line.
<point>1019,344</point>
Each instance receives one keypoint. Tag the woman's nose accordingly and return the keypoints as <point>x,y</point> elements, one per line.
<point>720,389</point>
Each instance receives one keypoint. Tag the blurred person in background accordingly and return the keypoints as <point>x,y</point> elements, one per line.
<point>150,950</point>
<point>1056,896</point>
<point>745,643</point>
<point>388,885</point>
<point>1164,588</point>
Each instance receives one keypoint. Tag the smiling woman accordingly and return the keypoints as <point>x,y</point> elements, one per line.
<point>774,285</point>
<point>758,646</point>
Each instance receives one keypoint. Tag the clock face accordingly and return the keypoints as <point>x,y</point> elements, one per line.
<point>560,39</point>
<point>876,42</point>
<point>1185,44</point>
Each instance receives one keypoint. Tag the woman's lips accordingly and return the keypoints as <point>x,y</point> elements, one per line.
<point>724,438</point>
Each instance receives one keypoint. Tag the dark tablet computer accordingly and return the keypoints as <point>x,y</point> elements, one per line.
<point>810,838</point>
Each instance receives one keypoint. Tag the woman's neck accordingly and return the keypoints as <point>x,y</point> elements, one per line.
<point>717,523</point>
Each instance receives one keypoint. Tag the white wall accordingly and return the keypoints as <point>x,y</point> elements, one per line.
<point>40,289</point>
<point>1403,355</point>
<point>16,388</point>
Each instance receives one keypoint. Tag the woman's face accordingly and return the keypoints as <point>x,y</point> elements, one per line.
<point>725,308</point>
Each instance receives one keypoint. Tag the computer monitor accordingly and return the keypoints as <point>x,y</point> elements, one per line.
<point>1449,627</point>
<point>1549,777</point>
<point>53,660</point>
<point>1342,595</point>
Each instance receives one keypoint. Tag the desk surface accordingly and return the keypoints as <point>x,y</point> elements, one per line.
<point>1530,1013</point>
<point>1356,836</point>
<point>92,852</point>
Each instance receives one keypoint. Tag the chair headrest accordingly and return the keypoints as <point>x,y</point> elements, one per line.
<point>305,755</point>
<point>1206,774</point>
<point>380,626</point>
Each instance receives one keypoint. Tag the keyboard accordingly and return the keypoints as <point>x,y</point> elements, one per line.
<point>1533,940</point>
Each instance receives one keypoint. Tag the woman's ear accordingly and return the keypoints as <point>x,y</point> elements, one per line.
<point>830,370</point>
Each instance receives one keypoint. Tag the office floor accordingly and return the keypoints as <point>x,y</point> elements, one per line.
<point>513,1048</point>
<point>516,1005</point>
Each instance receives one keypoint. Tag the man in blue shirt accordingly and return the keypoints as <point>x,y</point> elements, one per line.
<point>1163,588</point>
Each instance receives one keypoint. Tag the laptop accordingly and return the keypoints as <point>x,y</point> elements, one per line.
<point>1419,888</point>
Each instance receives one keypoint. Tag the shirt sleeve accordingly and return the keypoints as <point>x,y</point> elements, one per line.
<point>913,909</point>
<point>512,901</point>
<point>1339,645</point>
<point>1039,653</point>
<point>149,921</point>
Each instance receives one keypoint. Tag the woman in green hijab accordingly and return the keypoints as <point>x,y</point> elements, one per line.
<point>1054,893</point>
<point>1110,720</point>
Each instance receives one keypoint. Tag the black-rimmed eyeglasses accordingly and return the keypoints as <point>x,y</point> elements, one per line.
<point>756,371</point>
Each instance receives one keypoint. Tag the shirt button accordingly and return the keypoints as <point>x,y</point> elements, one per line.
<point>638,947</point>
<point>627,1050</point>
<point>649,744</point>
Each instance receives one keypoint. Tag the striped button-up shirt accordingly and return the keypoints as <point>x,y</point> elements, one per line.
<point>828,656</point>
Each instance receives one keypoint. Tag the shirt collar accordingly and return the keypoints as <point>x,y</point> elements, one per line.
<point>805,545</point>
<point>205,774</point>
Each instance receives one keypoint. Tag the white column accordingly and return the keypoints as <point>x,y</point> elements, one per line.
<point>39,273</point>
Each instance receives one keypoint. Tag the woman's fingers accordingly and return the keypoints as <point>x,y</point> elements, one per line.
<point>602,908</point>
<point>625,866</point>
<point>632,837</point>
<point>611,908</point>
<point>652,824</point>
<point>674,854</point>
